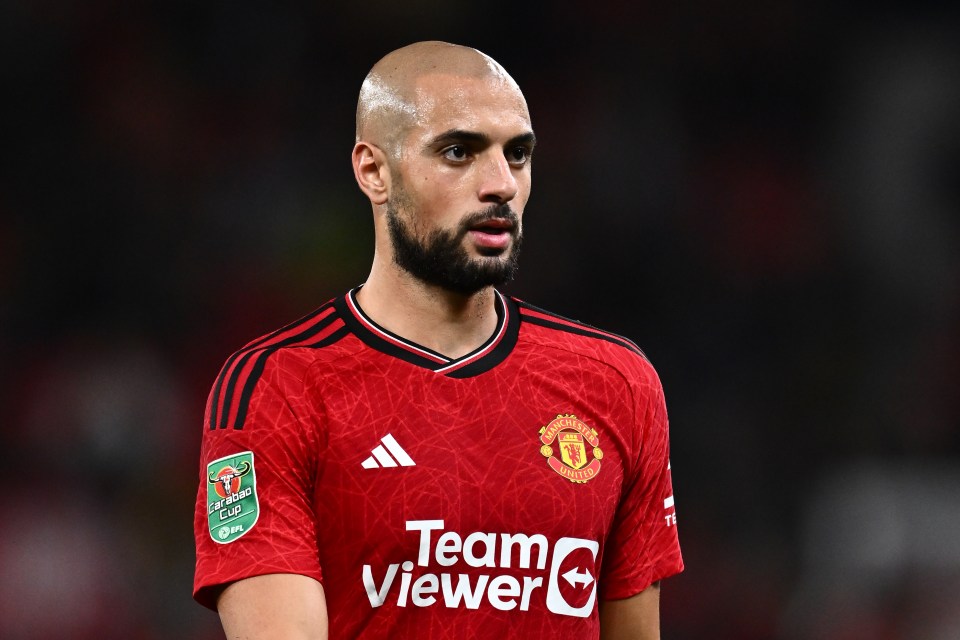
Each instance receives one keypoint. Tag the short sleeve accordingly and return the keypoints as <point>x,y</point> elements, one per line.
<point>643,546</point>
<point>255,511</point>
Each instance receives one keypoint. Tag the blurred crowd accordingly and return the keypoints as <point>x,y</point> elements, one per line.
<point>764,196</point>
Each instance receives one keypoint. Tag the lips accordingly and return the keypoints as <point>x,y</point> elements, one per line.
<point>494,225</point>
<point>492,235</point>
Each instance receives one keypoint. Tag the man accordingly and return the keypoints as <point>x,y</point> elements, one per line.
<point>425,457</point>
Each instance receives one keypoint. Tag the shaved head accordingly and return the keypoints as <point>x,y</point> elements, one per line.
<point>392,99</point>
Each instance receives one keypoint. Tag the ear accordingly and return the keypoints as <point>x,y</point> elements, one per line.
<point>371,171</point>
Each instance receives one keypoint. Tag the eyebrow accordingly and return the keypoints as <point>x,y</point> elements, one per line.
<point>454,136</point>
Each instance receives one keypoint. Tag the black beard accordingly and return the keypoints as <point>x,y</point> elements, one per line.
<point>440,259</point>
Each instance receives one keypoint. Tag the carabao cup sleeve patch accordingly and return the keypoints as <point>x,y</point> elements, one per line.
<point>232,505</point>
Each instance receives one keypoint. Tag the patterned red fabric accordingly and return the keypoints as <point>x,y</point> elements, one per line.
<point>536,476</point>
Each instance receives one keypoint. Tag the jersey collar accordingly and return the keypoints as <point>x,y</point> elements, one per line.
<point>482,359</point>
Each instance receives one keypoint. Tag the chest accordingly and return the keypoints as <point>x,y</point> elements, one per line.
<point>523,450</point>
<point>443,495</point>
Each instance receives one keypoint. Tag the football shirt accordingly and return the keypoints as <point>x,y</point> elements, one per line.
<point>497,494</point>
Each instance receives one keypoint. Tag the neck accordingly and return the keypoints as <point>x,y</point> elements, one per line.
<point>449,323</point>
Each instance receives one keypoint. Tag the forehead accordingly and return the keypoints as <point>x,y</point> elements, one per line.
<point>485,104</point>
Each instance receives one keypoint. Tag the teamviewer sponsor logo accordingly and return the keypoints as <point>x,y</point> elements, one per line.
<point>570,589</point>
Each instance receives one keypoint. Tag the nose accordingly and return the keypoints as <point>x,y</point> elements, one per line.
<point>498,184</point>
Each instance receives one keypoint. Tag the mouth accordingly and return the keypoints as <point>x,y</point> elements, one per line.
<point>494,226</point>
<point>493,236</point>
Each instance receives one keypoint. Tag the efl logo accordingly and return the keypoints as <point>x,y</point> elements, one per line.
<point>571,588</point>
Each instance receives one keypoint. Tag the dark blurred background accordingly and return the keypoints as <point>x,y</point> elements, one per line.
<point>764,195</point>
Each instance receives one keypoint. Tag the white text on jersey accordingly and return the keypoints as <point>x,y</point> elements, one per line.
<point>484,550</point>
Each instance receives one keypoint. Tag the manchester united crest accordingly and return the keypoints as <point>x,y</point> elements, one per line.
<point>571,448</point>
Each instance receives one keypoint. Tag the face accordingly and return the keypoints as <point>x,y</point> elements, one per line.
<point>461,183</point>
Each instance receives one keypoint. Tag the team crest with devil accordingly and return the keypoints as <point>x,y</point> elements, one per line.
<point>571,448</point>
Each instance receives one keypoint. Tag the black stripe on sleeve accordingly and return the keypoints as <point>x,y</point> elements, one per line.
<point>580,329</point>
<point>261,362</point>
<point>245,354</point>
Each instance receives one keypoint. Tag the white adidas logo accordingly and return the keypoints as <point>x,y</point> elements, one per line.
<point>381,458</point>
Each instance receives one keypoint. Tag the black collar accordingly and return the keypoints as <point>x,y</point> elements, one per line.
<point>482,359</point>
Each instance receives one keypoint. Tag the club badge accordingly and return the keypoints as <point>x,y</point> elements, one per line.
<point>232,505</point>
<point>574,442</point>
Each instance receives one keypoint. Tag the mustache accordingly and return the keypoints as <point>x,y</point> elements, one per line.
<point>494,212</point>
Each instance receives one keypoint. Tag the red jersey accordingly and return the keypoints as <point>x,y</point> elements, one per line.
<point>495,495</point>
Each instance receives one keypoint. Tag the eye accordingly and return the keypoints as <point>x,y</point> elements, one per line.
<point>518,156</point>
<point>455,153</point>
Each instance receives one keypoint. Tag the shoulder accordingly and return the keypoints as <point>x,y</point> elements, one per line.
<point>547,329</point>
<point>297,344</point>
<point>278,360</point>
